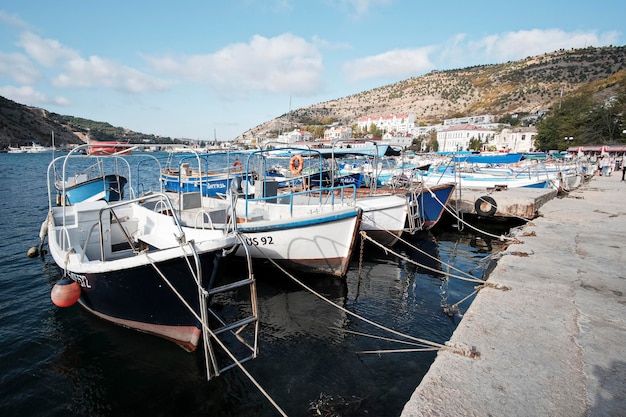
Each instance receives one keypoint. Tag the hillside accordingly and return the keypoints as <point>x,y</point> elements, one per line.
<point>21,124</point>
<point>524,86</point>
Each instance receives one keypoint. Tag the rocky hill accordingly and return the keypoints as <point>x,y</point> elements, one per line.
<point>524,86</point>
<point>21,124</point>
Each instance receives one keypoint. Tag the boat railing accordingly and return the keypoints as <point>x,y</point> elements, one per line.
<point>118,164</point>
<point>332,197</point>
<point>161,204</point>
<point>200,170</point>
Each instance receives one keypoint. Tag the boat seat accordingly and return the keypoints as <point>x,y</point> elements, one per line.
<point>159,240</point>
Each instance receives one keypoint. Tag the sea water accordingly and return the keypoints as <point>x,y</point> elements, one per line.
<point>66,362</point>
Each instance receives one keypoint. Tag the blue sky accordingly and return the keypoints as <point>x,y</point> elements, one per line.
<point>199,69</point>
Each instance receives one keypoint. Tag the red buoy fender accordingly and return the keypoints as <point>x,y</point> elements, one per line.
<point>65,292</point>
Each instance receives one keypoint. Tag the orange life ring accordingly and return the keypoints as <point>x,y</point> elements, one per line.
<point>296,163</point>
<point>237,165</point>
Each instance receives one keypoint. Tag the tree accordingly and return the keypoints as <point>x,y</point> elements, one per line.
<point>584,120</point>
<point>433,144</point>
<point>569,119</point>
<point>475,144</point>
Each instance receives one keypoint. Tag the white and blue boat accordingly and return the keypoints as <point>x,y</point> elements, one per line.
<point>314,238</point>
<point>199,173</point>
<point>90,183</point>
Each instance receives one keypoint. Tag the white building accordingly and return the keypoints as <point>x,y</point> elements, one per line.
<point>295,136</point>
<point>518,139</point>
<point>457,138</point>
<point>400,140</point>
<point>484,119</point>
<point>337,133</point>
<point>400,122</point>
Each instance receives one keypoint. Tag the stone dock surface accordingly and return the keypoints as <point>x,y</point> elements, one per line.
<point>555,343</point>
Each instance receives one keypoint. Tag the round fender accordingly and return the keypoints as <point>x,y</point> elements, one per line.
<point>485,206</point>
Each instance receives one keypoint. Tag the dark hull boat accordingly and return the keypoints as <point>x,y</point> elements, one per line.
<point>136,267</point>
<point>131,261</point>
<point>129,298</point>
<point>428,204</point>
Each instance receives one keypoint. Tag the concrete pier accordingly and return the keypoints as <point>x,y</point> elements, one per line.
<point>555,343</point>
<point>522,203</point>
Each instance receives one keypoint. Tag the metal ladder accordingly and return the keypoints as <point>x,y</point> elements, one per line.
<point>240,333</point>
<point>415,217</point>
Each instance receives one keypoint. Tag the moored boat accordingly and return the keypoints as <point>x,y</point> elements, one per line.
<point>191,173</point>
<point>316,238</point>
<point>32,148</point>
<point>108,148</point>
<point>91,183</point>
<point>388,210</point>
<point>130,261</point>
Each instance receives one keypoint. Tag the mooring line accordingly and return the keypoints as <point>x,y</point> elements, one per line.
<point>456,348</point>
<point>387,339</point>
<point>445,207</point>
<point>472,279</point>
<point>216,339</point>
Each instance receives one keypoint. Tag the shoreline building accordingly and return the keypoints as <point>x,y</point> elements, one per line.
<point>337,133</point>
<point>457,138</point>
<point>295,136</point>
<point>516,140</point>
<point>399,122</point>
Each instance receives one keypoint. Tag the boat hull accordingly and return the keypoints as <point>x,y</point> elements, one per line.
<point>108,148</point>
<point>319,243</point>
<point>212,185</point>
<point>130,282</point>
<point>107,188</point>
<point>138,298</point>
<point>384,215</point>
<point>431,202</point>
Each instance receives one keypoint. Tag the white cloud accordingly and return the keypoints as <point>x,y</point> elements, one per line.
<point>12,20</point>
<point>516,45</point>
<point>511,46</point>
<point>397,63</point>
<point>27,94</point>
<point>47,52</point>
<point>76,71</point>
<point>19,68</point>
<point>285,64</point>
<point>359,8</point>
<point>99,72</point>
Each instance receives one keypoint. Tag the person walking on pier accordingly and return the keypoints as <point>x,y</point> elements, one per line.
<point>605,165</point>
